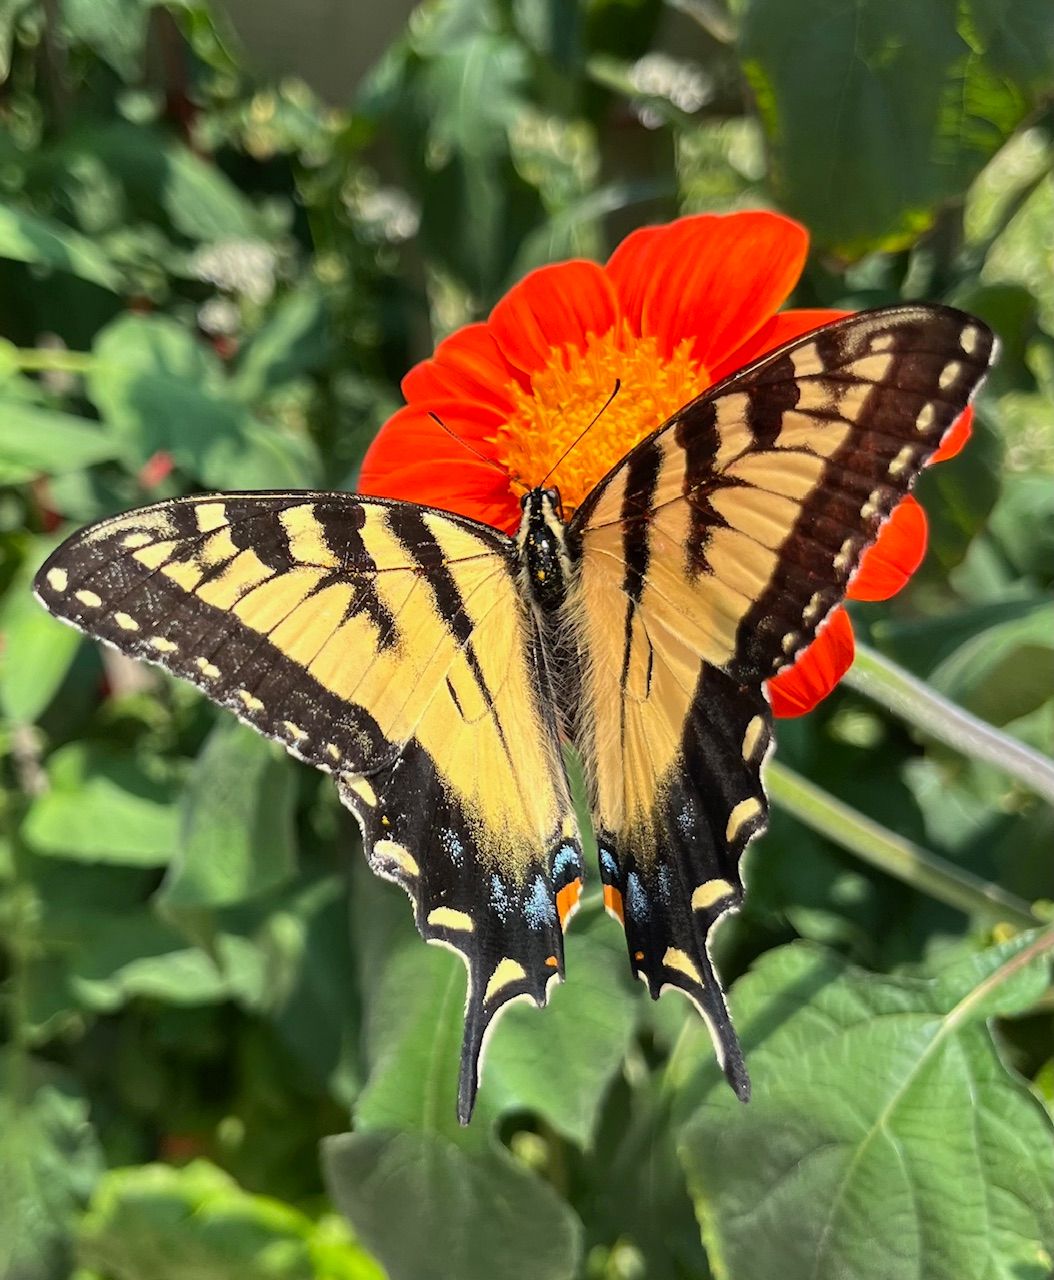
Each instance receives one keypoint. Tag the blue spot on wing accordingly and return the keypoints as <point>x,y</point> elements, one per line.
<point>636,897</point>
<point>538,905</point>
<point>499,897</point>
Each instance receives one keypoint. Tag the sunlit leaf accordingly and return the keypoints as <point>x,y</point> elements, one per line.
<point>880,1112</point>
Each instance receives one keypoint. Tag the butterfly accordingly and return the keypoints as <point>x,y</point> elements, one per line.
<point>434,666</point>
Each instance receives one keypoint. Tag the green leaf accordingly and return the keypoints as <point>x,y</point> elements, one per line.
<point>49,1160</point>
<point>878,110</point>
<point>104,806</point>
<point>115,29</point>
<point>118,956</point>
<point>42,242</point>
<point>236,838</point>
<point>993,674</point>
<point>10,11</point>
<point>36,441</point>
<point>880,1112</point>
<point>293,340</point>
<point>196,1223</point>
<point>37,649</point>
<point>163,391</point>
<point>473,1216</point>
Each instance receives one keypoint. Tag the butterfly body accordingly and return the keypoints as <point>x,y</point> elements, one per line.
<point>435,667</point>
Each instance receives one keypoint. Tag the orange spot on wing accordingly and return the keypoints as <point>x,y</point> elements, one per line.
<point>638,955</point>
<point>567,900</point>
<point>613,903</point>
<point>552,962</point>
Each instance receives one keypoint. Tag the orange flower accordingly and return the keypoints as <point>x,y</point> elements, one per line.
<point>674,310</point>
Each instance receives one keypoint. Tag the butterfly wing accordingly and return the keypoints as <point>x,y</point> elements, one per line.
<point>722,542</point>
<point>387,644</point>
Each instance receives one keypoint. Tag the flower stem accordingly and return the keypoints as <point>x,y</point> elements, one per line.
<point>916,702</point>
<point>897,856</point>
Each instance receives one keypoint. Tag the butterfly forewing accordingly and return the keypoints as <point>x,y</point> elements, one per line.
<point>389,645</point>
<point>726,538</point>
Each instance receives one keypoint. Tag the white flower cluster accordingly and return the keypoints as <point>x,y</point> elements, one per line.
<point>238,265</point>
<point>682,84</point>
<point>386,214</point>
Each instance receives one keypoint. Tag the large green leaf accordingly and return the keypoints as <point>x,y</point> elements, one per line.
<point>163,391</point>
<point>36,441</point>
<point>49,1160</point>
<point>293,340</point>
<point>26,237</point>
<point>881,1114</point>
<point>430,1211</point>
<point>37,650</point>
<point>103,805</point>
<point>196,1223</point>
<point>879,110</point>
<point>236,838</point>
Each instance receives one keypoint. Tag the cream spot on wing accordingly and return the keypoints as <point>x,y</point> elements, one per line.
<point>969,339</point>
<point>843,557</point>
<point>89,598</point>
<point>872,505</point>
<point>926,416</point>
<point>812,609</point>
<point>332,751</point>
<point>902,461</point>
<point>806,360</point>
<point>162,645</point>
<point>949,374</point>
<point>446,917</point>
<point>392,851</point>
<point>125,621</point>
<point>58,579</point>
<point>210,515</point>
<point>873,368</point>
<point>252,703</point>
<point>139,539</point>
<point>207,668</point>
<point>361,788</point>
<point>744,812</point>
<point>884,342</point>
<point>753,735</point>
<point>790,641</point>
<point>505,973</point>
<point>709,892</point>
<point>682,962</point>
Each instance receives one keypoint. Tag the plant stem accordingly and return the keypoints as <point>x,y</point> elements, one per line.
<point>51,360</point>
<point>897,856</point>
<point>916,702</point>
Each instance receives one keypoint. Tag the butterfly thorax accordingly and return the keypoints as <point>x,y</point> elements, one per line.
<point>544,552</point>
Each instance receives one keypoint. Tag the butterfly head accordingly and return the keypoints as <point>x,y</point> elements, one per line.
<point>542,541</point>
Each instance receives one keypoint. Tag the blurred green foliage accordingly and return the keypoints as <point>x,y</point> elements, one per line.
<point>208,279</point>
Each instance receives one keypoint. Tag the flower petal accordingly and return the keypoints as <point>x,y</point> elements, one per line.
<point>891,560</point>
<point>957,435</point>
<point>468,365</point>
<point>713,278</point>
<point>817,671</point>
<point>413,458</point>
<point>554,306</point>
<point>783,327</point>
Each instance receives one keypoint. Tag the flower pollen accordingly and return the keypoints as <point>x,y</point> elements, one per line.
<point>568,393</point>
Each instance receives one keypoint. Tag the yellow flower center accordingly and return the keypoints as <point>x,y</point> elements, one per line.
<point>571,390</point>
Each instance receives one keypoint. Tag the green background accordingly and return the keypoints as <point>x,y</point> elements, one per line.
<point>225,1053</point>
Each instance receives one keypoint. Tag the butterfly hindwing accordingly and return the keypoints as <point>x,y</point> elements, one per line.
<point>721,543</point>
<point>389,645</point>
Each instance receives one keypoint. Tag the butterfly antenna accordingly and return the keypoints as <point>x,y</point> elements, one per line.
<point>475,452</point>
<point>578,439</point>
